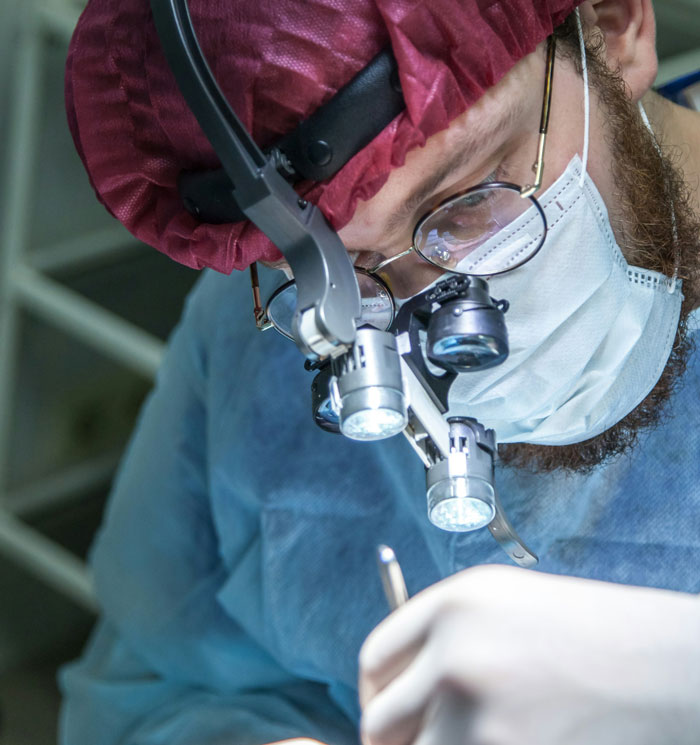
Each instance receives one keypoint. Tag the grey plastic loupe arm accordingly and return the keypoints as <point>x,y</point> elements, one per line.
<point>328,295</point>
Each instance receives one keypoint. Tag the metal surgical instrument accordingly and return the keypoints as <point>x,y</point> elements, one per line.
<point>392,577</point>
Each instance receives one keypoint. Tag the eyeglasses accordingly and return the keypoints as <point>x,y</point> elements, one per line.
<point>376,303</point>
<point>486,230</point>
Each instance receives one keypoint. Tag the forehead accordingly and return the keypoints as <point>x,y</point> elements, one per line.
<point>464,146</point>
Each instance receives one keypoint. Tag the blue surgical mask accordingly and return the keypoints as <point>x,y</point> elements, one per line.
<point>589,334</point>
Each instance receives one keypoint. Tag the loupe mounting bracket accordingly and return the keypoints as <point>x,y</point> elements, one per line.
<point>427,431</point>
<point>328,295</point>
<point>412,319</point>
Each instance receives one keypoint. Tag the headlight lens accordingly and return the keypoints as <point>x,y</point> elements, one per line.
<point>461,503</point>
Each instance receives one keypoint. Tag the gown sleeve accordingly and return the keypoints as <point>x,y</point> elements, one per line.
<point>168,663</point>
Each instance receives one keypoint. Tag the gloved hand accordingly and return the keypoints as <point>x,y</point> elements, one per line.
<point>499,655</point>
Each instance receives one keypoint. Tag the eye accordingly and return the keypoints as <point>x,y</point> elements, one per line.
<point>459,215</point>
<point>474,200</point>
<point>468,211</point>
<point>477,198</point>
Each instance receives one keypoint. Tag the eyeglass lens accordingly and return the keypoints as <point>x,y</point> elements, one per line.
<point>485,231</point>
<point>376,302</point>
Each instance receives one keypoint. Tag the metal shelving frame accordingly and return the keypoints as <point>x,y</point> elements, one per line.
<point>25,286</point>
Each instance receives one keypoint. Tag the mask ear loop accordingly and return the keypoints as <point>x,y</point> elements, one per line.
<point>673,281</point>
<point>674,226</point>
<point>586,99</point>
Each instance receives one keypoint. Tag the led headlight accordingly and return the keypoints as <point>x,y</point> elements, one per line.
<point>460,489</point>
<point>366,388</point>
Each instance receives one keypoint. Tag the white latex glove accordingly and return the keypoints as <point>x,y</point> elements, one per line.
<point>499,655</point>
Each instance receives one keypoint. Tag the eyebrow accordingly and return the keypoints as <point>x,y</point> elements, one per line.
<point>466,150</point>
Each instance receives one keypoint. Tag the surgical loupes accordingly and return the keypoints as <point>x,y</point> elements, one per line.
<point>458,452</point>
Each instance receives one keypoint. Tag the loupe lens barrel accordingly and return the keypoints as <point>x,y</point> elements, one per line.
<point>468,332</point>
<point>465,339</point>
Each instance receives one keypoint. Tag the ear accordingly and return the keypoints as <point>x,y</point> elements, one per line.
<point>629,29</point>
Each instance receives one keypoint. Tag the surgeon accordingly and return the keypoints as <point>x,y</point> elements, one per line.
<point>236,563</point>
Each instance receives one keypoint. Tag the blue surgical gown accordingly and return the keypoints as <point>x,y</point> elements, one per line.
<point>236,563</point>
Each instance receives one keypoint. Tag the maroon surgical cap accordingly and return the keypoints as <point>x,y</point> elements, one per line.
<point>276,62</point>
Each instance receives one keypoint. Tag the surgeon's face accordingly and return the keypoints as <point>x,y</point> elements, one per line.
<point>497,138</point>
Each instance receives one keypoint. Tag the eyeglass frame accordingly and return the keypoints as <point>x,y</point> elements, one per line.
<point>282,288</point>
<point>263,323</point>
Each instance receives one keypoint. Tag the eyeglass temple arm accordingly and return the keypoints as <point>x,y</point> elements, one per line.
<point>390,260</point>
<point>262,322</point>
<point>538,167</point>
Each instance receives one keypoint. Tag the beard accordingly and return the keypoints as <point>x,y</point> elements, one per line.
<point>650,189</point>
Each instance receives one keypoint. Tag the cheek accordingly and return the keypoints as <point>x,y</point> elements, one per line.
<point>411,278</point>
<point>600,161</point>
<point>361,233</point>
<point>600,170</point>
<point>566,124</point>
<point>567,127</point>
<point>280,265</point>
